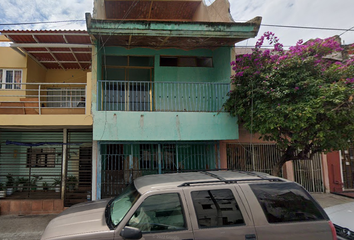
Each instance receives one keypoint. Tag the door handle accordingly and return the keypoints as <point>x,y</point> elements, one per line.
<point>250,237</point>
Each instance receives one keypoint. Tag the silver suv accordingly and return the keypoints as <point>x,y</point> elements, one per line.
<point>199,205</point>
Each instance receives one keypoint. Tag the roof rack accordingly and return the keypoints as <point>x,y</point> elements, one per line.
<point>230,181</point>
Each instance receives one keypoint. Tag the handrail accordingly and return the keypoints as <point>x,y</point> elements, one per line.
<point>116,95</point>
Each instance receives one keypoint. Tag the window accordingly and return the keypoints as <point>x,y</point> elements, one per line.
<point>157,213</point>
<point>40,157</point>
<point>286,202</point>
<point>216,208</point>
<point>9,78</point>
<point>186,61</point>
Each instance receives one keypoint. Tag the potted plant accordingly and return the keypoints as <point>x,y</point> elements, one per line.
<point>45,186</point>
<point>71,182</point>
<point>33,182</point>
<point>2,191</point>
<point>9,184</point>
<point>21,183</point>
<point>56,184</point>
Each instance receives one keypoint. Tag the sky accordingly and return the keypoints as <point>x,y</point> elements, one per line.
<point>310,13</point>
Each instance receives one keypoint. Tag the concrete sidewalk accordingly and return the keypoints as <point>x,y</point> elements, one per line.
<point>13,227</point>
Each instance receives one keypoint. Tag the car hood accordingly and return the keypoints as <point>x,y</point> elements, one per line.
<point>84,219</point>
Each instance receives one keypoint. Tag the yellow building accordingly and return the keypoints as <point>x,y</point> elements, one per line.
<point>45,120</point>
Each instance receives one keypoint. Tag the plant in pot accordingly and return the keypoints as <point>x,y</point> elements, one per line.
<point>45,186</point>
<point>33,182</point>
<point>57,184</point>
<point>10,184</point>
<point>2,191</point>
<point>22,183</point>
<point>71,182</point>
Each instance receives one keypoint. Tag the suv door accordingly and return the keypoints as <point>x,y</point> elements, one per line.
<point>161,215</point>
<point>286,211</point>
<point>217,212</point>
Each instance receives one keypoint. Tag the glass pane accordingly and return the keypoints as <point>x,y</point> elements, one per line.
<point>9,79</point>
<point>286,202</point>
<point>1,79</point>
<point>159,213</point>
<point>18,79</point>
<point>216,208</point>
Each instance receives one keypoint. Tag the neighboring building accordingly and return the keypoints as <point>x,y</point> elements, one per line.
<point>45,120</point>
<point>161,73</point>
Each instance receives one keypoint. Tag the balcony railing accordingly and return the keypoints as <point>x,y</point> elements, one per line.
<point>44,98</point>
<point>161,96</point>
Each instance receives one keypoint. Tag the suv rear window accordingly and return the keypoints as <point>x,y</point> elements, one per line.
<point>287,202</point>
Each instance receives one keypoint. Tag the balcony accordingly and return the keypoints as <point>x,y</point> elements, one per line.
<point>161,96</point>
<point>43,98</point>
<point>156,111</point>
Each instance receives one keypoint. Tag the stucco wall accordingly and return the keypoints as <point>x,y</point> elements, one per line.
<point>163,126</point>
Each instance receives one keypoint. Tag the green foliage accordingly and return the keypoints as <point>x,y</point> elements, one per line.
<point>299,98</point>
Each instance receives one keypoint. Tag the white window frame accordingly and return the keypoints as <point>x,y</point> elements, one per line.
<point>10,85</point>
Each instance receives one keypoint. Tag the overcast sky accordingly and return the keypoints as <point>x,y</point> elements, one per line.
<point>312,13</point>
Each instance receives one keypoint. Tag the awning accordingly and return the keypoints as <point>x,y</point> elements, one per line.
<point>53,49</point>
<point>170,34</point>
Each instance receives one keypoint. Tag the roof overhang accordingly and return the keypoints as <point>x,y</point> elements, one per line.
<point>171,34</point>
<point>53,49</point>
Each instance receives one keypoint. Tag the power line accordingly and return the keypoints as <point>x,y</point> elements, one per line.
<point>262,24</point>
<point>305,27</point>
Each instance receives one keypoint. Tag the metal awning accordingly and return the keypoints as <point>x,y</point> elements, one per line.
<point>170,34</point>
<point>53,49</point>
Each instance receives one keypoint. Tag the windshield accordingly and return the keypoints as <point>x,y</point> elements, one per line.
<point>121,204</point>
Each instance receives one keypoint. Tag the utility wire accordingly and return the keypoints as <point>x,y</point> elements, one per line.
<point>262,24</point>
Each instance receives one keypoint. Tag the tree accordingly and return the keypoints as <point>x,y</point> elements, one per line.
<point>300,98</point>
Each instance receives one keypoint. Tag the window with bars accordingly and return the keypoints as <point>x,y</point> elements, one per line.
<point>10,79</point>
<point>41,157</point>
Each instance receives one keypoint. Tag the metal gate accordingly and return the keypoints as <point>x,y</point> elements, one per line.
<point>123,162</point>
<point>29,163</point>
<point>252,157</point>
<point>261,157</point>
<point>348,168</point>
<point>78,167</point>
<point>309,173</point>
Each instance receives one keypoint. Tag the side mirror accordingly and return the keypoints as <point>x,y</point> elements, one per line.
<point>131,233</point>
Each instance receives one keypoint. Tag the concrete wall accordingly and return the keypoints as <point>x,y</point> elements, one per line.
<point>163,126</point>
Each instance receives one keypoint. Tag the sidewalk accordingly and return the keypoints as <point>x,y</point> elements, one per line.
<point>13,227</point>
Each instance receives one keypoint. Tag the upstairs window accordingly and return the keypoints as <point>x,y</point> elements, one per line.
<point>10,79</point>
<point>186,61</point>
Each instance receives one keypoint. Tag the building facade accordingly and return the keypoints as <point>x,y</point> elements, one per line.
<point>162,70</point>
<point>45,120</point>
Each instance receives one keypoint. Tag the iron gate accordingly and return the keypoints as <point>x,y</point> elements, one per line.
<point>261,158</point>
<point>309,173</point>
<point>123,162</point>
<point>78,167</point>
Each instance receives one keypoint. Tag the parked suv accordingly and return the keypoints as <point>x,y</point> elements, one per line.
<point>199,205</point>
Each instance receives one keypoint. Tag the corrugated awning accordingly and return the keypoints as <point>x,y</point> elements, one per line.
<point>53,49</point>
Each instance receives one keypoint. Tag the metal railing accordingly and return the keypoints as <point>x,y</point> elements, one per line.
<point>32,98</point>
<point>161,96</point>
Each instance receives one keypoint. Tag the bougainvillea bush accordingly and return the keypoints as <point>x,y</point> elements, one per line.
<point>300,98</point>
